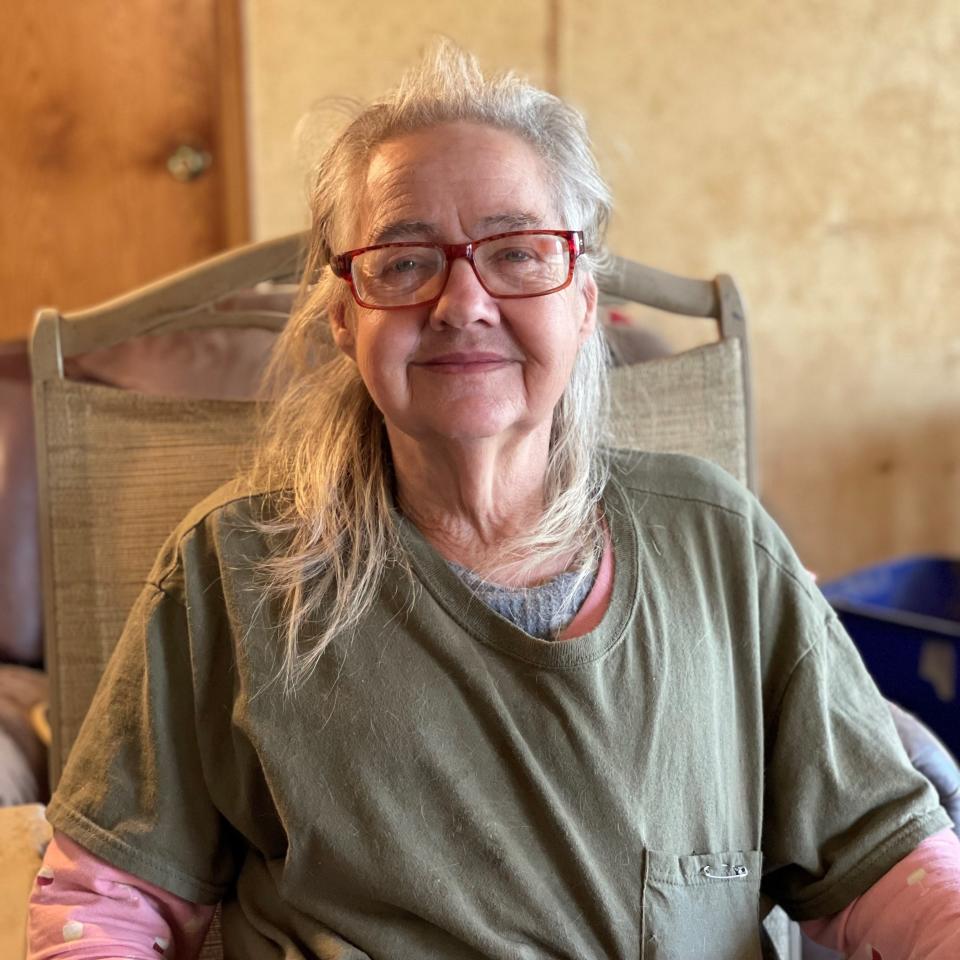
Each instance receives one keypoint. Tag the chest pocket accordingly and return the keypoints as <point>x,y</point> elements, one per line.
<point>701,906</point>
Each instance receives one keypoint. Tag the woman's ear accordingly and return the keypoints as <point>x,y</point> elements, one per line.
<point>590,295</point>
<point>340,330</point>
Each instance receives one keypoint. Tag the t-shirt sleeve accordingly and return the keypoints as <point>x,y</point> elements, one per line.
<point>134,791</point>
<point>843,804</point>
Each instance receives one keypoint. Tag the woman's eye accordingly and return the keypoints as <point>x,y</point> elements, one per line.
<point>403,266</point>
<point>516,255</point>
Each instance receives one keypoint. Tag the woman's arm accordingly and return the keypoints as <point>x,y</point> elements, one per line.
<point>82,908</point>
<point>911,913</point>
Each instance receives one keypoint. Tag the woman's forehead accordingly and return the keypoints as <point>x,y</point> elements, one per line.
<point>387,230</point>
<point>461,177</point>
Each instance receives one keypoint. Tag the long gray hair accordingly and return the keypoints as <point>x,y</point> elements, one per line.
<point>323,451</point>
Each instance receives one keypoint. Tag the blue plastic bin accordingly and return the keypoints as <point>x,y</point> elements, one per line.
<point>904,617</point>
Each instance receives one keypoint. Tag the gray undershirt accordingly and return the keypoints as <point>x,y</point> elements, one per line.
<point>542,611</point>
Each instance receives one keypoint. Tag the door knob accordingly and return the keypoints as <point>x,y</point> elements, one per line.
<point>186,163</point>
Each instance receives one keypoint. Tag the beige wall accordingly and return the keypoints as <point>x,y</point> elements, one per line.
<point>812,150</point>
<point>301,53</point>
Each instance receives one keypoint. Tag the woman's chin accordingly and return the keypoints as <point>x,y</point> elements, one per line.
<point>475,428</point>
<point>467,423</point>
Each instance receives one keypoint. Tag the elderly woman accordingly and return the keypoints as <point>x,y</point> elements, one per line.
<point>447,678</point>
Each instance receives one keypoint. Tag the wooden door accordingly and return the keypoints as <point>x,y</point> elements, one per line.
<point>95,98</point>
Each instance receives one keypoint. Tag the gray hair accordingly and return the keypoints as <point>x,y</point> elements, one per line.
<point>323,451</point>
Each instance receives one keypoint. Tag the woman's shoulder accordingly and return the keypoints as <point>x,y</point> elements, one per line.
<point>227,524</point>
<point>699,499</point>
<point>682,479</point>
<point>236,501</point>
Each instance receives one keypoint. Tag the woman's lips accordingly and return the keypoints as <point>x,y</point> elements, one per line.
<point>480,362</point>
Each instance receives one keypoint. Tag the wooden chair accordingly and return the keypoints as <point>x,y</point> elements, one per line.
<point>119,469</point>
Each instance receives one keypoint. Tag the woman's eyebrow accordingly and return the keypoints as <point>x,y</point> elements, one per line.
<point>519,220</point>
<point>405,230</point>
<point>421,230</point>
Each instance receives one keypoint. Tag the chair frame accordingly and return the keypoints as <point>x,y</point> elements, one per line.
<point>192,298</point>
<point>185,300</point>
<point>197,297</point>
<point>717,299</point>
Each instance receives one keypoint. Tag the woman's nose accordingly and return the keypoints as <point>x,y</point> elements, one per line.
<point>464,300</point>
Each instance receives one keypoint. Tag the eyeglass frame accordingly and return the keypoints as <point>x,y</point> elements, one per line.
<point>342,263</point>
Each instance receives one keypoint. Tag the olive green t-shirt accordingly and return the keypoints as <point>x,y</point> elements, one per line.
<point>447,786</point>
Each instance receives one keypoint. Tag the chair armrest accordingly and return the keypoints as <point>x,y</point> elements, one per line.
<point>931,758</point>
<point>24,835</point>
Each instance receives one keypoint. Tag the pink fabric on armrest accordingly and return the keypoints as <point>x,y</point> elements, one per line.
<point>911,913</point>
<point>83,908</point>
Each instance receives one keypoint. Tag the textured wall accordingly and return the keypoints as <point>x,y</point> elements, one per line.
<point>812,150</point>
<point>303,52</point>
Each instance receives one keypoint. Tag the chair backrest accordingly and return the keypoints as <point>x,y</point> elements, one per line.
<point>695,402</point>
<point>118,470</point>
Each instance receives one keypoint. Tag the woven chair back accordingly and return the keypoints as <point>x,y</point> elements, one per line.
<point>119,469</point>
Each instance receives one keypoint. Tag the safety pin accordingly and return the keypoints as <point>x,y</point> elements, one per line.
<point>735,873</point>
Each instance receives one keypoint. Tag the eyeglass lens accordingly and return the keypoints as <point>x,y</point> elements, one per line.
<point>524,265</point>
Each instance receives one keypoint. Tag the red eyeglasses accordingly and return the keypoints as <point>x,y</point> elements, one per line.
<point>510,266</point>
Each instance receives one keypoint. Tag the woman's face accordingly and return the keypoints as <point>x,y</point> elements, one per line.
<point>469,366</point>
